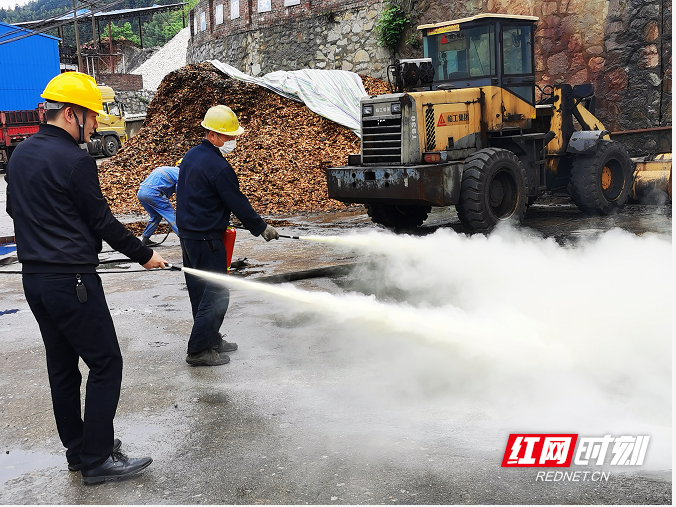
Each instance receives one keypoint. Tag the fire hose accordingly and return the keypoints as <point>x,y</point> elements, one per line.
<point>228,241</point>
<point>281,235</point>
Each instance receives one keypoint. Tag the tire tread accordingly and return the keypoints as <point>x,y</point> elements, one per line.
<point>471,210</point>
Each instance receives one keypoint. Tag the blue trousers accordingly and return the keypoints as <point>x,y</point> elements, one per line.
<point>209,300</point>
<point>72,330</point>
<point>158,207</point>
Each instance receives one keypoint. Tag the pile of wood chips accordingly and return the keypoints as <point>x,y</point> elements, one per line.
<point>375,86</point>
<point>280,159</point>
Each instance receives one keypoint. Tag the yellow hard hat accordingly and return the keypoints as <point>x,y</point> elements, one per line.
<point>221,119</point>
<point>74,88</point>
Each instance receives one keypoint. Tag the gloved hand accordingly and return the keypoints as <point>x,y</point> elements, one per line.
<point>270,233</point>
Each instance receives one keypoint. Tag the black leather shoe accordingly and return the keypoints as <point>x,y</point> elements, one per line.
<point>148,242</point>
<point>224,346</point>
<point>207,358</point>
<point>117,466</point>
<point>117,444</point>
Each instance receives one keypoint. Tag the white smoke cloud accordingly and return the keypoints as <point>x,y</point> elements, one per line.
<point>541,336</point>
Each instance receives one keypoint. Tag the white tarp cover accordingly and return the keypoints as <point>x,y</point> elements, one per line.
<point>333,94</point>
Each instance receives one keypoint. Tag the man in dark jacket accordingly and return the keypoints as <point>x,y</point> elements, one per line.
<point>60,219</point>
<point>207,192</point>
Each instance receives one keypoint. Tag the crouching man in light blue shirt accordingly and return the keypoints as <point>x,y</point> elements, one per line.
<point>154,193</point>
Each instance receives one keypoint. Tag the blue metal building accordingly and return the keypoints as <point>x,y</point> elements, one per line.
<point>28,60</point>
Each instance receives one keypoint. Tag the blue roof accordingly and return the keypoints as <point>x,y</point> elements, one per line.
<point>80,13</point>
<point>16,31</point>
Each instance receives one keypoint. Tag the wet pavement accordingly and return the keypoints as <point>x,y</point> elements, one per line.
<point>308,410</point>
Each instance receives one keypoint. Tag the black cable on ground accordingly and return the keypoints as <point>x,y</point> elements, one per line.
<point>158,244</point>
<point>104,271</point>
<point>325,272</point>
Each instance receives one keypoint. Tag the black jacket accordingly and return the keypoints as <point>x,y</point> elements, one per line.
<point>60,215</point>
<point>207,192</point>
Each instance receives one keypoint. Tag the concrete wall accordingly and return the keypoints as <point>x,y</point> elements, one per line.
<point>622,46</point>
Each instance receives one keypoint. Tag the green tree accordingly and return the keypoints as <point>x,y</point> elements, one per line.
<point>390,25</point>
<point>120,32</point>
<point>162,27</point>
<point>157,29</point>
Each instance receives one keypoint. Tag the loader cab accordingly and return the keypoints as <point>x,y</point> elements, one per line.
<point>484,50</point>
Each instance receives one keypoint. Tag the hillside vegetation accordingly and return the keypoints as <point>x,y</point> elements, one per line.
<point>157,29</point>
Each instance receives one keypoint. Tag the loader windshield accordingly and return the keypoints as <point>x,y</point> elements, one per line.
<point>460,54</point>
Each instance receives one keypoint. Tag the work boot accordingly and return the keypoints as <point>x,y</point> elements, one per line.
<point>117,466</point>
<point>207,358</point>
<point>148,242</point>
<point>76,467</point>
<point>224,346</point>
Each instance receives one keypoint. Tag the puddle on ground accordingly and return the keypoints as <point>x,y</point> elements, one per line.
<point>19,462</point>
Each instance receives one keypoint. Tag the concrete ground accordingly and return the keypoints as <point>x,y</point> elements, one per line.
<point>310,409</point>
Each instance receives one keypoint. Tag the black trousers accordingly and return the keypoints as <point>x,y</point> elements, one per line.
<point>209,300</point>
<point>72,330</point>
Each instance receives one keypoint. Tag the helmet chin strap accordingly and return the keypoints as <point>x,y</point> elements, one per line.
<point>84,120</point>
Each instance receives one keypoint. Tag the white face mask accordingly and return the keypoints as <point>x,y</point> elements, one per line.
<point>228,146</point>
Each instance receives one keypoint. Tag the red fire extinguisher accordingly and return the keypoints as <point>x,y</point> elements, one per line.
<point>229,242</point>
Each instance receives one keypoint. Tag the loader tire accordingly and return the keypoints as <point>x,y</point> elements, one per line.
<point>601,183</point>
<point>493,189</point>
<point>398,216</point>
<point>110,145</point>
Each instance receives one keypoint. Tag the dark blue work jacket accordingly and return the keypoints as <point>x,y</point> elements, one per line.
<point>207,192</point>
<point>60,215</point>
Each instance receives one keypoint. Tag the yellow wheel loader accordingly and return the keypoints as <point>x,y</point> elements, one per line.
<point>467,126</point>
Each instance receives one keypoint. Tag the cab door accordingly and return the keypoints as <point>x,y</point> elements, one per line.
<point>517,75</point>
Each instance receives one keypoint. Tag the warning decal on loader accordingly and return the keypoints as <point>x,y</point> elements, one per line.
<point>449,117</point>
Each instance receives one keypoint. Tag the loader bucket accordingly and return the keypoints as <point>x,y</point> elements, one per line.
<point>652,179</point>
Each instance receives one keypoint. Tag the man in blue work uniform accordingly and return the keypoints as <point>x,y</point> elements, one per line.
<point>207,192</point>
<point>60,219</point>
<point>154,194</point>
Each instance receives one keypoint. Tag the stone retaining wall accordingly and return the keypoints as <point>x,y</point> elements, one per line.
<point>326,37</point>
<point>135,102</point>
